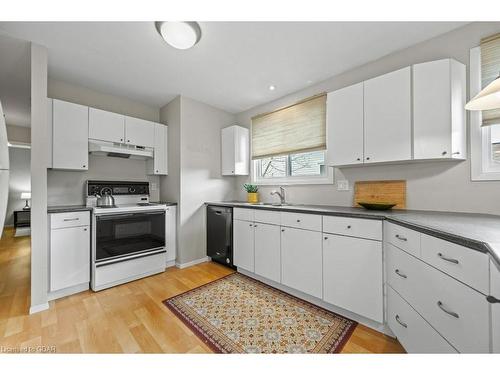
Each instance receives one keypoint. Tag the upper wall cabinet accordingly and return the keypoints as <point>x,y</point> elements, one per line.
<point>70,148</point>
<point>387,117</point>
<point>344,116</point>
<point>438,110</point>
<point>159,164</point>
<point>139,132</point>
<point>106,126</point>
<point>235,151</point>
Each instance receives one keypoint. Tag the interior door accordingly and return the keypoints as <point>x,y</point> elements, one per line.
<point>344,118</point>
<point>387,117</point>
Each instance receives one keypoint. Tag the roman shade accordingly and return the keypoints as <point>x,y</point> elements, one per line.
<point>490,69</point>
<point>298,128</point>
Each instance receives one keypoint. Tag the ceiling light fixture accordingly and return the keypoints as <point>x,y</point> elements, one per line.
<point>272,87</point>
<point>180,35</point>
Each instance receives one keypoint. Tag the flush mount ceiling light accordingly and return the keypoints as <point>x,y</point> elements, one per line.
<point>272,87</point>
<point>180,35</point>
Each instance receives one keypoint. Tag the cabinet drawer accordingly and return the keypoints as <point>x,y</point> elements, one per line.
<point>457,312</point>
<point>69,219</point>
<point>464,264</point>
<point>347,226</point>
<point>301,221</point>
<point>243,214</point>
<point>267,217</point>
<point>414,333</point>
<point>404,238</point>
<point>403,274</point>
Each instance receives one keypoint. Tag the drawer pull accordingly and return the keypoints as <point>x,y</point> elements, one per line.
<point>400,322</point>
<point>453,314</point>
<point>401,274</point>
<point>492,299</point>
<point>298,220</point>
<point>74,219</point>
<point>401,238</point>
<point>348,227</point>
<point>451,260</point>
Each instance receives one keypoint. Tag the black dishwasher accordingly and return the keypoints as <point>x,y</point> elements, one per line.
<point>220,234</point>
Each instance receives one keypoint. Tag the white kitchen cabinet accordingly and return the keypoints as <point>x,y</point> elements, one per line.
<point>344,119</point>
<point>268,251</point>
<point>69,252</point>
<point>106,126</point>
<point>438,110</point>
<point>243,244</point>
<point>139,132</point>
<point>387,117</point>
<point>301,260</point>
<point>159,164</point>
<point>70,149</point>
<point>235,151</point>
<point>352,275</point>
<point>495,307</point>
<point>171,233</point>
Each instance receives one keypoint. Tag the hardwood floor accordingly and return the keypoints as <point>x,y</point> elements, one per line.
<point>129,318</point>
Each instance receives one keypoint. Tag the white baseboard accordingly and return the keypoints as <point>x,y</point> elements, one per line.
<point>380,327</point>
<point>23,231</point>
<point>192,263</point>
<point>38,308</point>
<point>170,263</point>
<point>68,291</point>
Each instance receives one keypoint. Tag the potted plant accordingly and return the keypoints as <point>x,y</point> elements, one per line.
<point>252,193</point>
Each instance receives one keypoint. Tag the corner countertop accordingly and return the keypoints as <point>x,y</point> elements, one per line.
<point>480,232</point>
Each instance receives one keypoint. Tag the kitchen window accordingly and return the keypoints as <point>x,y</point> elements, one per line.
<point>485,140</point>
<point>289,144</point>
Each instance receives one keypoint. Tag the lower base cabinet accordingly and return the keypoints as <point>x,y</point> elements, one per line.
<point>243,244</point>
<point>353,275</point>
<point>268,251</point>
<point>495,307</point>
<point>414,333</point>
<point>301,260</point>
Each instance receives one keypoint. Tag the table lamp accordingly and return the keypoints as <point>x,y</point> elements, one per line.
<point>27,196</point>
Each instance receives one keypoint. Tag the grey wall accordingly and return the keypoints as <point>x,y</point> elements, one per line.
<point>431,185</point>
<point>66,187</point>
<point>194,169</point>
<point>20,134</point>
<point>19,180</point>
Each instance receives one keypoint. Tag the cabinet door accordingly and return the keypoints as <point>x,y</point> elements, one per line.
<point>228,151</point>
<point>387,117</point>
<point>160,159</point>
<point>69,257</point>
<point>171,232</point>
<point>241,151</point>
<point>344,118</point>
<point>495,307</point>
<point>70,129</point>
<point>301,263</point>
<point>268,251</point>
<point>352,275</point>
<point>243,244</point>
<point>106,126</point>
<point>139,132</point>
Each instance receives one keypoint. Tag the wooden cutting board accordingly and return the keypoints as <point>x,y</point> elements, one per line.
<point>390,191</point>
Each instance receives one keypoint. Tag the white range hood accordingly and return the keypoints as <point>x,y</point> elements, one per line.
<point>111,149</point>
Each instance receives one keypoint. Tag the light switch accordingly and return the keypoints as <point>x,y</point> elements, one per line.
<point>342,185</point>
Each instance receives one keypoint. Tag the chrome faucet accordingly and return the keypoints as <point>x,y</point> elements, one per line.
<point>280,194</point>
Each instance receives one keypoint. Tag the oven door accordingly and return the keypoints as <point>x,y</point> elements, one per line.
<point>128,235</point>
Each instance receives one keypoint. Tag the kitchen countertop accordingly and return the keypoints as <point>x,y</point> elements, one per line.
<point>82,207</point>
<point>480,232</point>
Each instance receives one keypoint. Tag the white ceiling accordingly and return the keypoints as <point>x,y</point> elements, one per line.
<point>231,67</point>
<point>15,80</point>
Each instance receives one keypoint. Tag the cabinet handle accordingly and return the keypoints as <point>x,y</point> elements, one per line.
<point>282,230</point>
<point>451,260</point>
<point>83,166</point>
<point>298,220</point>
<point>444,153</point>
<point>84,229</point>
<point>255,226</point>
<point>492,299</point>
<point>401,238</point>
<point>358,159</point>
<point>250,225</point>
<point>367,158</point>
<point>326,238</point>
<point>453,314</point>
<point>456,153</point>
<point>121,139</point>
<point>400,274</point>
<point>348,227</point>
<point>74,219</point>
<point>400,322</point>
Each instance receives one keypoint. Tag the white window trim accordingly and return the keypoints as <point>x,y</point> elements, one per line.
<point>302,180</point>
<point>481,167</point>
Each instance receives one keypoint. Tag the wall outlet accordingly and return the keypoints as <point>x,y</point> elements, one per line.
<point>342,185</point>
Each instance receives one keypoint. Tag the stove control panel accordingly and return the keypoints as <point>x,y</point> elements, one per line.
<point>117,187</point>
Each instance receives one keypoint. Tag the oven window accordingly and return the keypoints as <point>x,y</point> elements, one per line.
<point>126,234</point>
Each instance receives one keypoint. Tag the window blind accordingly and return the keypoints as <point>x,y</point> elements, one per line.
<point>297,128</point>
<point>490,69</point>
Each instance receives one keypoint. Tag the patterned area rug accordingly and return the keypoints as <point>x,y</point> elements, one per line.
<point>237,314</point>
